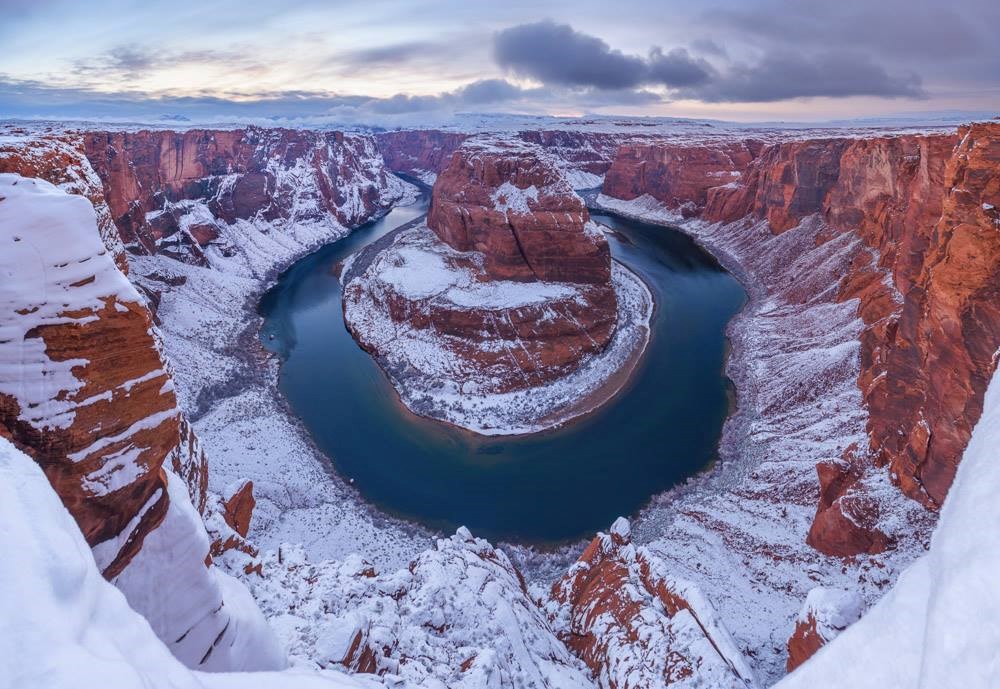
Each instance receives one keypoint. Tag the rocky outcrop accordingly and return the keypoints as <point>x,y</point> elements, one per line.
<point>174,192</point>
<point>59,158</point>
<point>85,392</point>
<point>636,626</point>
<point>460,615</point>
<point>583,157</point>
<point>506,290</point>
<point>510,204</point>
<point>825,614</point>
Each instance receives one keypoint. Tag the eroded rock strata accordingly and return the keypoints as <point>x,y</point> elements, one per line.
<point>636,626</point>
<point>176,192</point>
<point>926,289</point>
<point>504,312</point>
<point>84,391</point>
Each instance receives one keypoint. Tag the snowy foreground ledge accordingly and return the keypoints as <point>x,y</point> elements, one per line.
<point>939,626</point>
<point>422,364</point>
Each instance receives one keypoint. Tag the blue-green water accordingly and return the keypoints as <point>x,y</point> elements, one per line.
<point>541,488</point>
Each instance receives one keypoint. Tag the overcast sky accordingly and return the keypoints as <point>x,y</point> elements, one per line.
<point>385,60</point>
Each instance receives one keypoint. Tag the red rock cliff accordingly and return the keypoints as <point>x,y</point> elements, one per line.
<point>510,204</point>
<point>155,182</point>
<point>85,393</point>
<point>678,176</point>
<point>637,627</point>
<point>925,206</point>
<point>419,152</point>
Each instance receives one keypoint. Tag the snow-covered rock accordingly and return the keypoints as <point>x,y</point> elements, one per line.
<point>938,625</point>
<point>825,613</point>
<point>637,626</point>
<point>85,391</point>
<point>460,615</point>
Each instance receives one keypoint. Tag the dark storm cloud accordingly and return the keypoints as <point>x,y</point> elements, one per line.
<point>785,75</point>
<point>677,68</point>
<point>556,54</point>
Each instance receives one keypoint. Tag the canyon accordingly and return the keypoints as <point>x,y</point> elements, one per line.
<point>506,299</point>
<point>861,363</point>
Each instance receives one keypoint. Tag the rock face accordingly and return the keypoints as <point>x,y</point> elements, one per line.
<point>583,158</point>
<point>825,613</point>
<point>421,153</point>
<point>924,206</point>
<point>84,391</point>
<point>678,176</point>
<point>59,158</point>
<point>635,626</point>
<point>171,192</point>
<point>509,203</point>
<point>508,289</point>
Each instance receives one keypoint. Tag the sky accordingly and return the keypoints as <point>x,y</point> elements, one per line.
<point>396,61</point>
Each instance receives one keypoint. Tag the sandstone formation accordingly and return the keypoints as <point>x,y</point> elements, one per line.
<point>638,627</point>
<point>926,288</point>
<point>507,289</point>
<point>84,391</point>
<point>420,153</point>
<point>59,158</point>
<point>825,613</point>
<point>175,192</point>
<point>678,176</point>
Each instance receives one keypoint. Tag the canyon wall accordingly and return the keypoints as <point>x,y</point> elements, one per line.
<point>85,392</point>
<point>924,206</point>
<point>583,157</point>
<point>174,192</point>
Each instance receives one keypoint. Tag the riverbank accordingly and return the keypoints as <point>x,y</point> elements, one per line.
<point>740,529</point>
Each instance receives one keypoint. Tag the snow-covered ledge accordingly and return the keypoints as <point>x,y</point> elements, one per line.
<point>939,626</point>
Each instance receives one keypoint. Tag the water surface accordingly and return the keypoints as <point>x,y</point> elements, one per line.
<point>541,488</point>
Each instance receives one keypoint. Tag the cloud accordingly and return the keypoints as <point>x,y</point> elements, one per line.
<point>706,46</point>
<point>388,54</point>
<point>557,54</point>
<point>892,29</point>
<point>678,68</point>
<point>130,62</point>
<point>784,75</point>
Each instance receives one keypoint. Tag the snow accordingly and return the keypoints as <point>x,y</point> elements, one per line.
<point>459,604</point>
<point>508,197</point>
<point>939,625</point>
<point>48,242</point>
<point>833,610</point>
<point>739,530</point>
<point>65,626</point>
<point>415,270</point>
